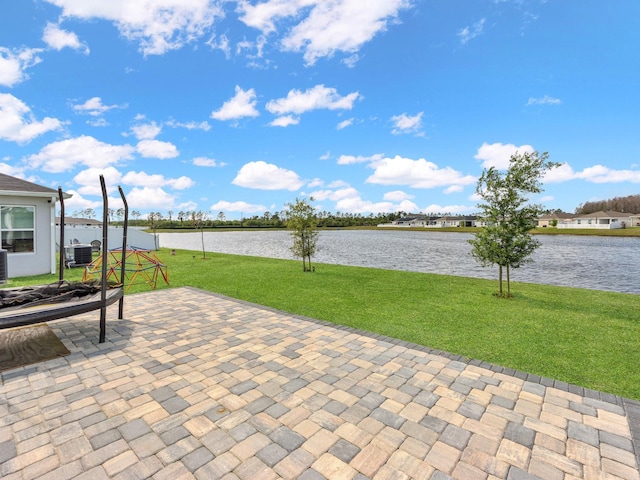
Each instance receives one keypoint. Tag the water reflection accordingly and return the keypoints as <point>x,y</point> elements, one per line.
<point>602,263</point>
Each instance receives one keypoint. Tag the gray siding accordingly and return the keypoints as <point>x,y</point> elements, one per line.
<point>42,260</point>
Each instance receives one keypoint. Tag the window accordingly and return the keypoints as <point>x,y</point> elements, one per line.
<point>17,225</point>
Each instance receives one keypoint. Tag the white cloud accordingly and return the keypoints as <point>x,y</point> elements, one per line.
<point>341,193</point>
<point>207,162</point>
<point>416,173</point>
<point>328,27</point>
<point>338,184</point>
<point>13,63</point>
<point>351,159</point>
<point>158,25</point>
<point>318,97</point>
<point>434,208</point>
<point>220,43</point>
<point>57,38</point>
<point>143,179</point>
<point>150,198</point>
<point>189,125</point>
<point>563,173</point>
<point>243,104</point>
<point>469,33</point>
<point>266,176</point>
<point>454,189</point>
<point>180,183</point>
<point>356,204</point>
<point>98,122</point>
<point>89,180</point>
<point>263,15</point>
<point>345,124</point>
<point>594,174</point>
<point>498,154</point>
<point>253,50</point>
<point>285,121</point>
<point>147,131</point>
<point>475,197</point>
<point>78,202</point>
<point>316,182</point>
<point>186,206</point>
<point>94,107</point>
<point>242,207</point>
<point>12,170</point>
<point>64,155</point>
<point>326,156</point>
<point>404,123</point>
<point>351,61</point>
<point>546,100</point>
<point>397,196</point>
<point>18,124</point>
<point>157,149</point>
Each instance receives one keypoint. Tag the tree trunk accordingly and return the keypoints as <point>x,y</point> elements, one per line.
<point>508,282</point>
<point>500,279</point>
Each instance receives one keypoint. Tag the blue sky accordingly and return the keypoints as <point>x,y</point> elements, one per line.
<point>368,106</point>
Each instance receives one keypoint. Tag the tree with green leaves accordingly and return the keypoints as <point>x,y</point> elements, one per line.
<point>505,240</point>
<point>301,220</point>
<point>154,221</point>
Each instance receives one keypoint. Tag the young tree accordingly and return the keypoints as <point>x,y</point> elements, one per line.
<point>301,220</point>
<point>505,240</point>
<point>199,220</point>
<point>154,221</point>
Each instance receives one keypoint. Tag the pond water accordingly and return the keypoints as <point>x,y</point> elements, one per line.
<point>601,263</point>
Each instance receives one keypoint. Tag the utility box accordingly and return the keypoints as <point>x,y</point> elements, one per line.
<point>77,255</point>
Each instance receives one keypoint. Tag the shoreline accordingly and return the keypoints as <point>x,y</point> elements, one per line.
<point>620,232</point>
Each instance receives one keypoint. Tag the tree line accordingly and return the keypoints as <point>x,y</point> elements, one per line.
<point>628,204</point>
<point>278,219</point>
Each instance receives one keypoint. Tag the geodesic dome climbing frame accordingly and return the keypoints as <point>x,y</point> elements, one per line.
<point>141,266</point>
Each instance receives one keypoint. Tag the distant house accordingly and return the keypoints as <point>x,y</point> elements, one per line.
<point>27,226</point>
<point>423,221</point>
<point>554,219</point>
<point>77,222</point>
<point>456,221</point>
<point>600,220</point>
<point>430,221</point>
<point>407,221</point>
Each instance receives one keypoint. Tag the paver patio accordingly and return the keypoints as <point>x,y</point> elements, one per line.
<point>196,385</point>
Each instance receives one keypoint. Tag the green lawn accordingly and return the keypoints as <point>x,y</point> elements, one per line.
<point>585,337</point>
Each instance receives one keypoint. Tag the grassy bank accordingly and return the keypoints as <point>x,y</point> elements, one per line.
<point>585,337</point>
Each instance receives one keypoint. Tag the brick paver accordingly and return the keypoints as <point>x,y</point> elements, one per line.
<point>196,385</point>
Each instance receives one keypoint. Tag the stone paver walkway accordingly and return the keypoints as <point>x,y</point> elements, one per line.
<point>195,385</point>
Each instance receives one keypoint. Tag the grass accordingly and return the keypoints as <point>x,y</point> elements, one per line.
<point>585,337</point>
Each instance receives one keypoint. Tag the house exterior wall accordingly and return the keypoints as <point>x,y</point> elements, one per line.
<point>599,223</point>
<point>42,259</point>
